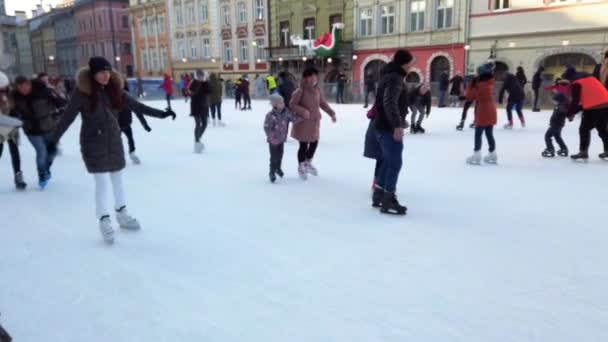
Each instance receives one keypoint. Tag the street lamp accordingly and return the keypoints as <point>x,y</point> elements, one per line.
<point>329,60</point>
<point>254,44</point>
<point>184,60</point>
<point>280,59</point>
<point>304,59</point>
<point>511,44</point>
<point>51,58</point>
<point>259,61</point>
<point>235,60</point>
<point>213,60</point>
<point>355,57</point>
<point>467,47</point>
<point>565,42</point>
<point>117,58</point>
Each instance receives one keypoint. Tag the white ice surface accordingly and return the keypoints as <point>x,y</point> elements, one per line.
<point>514,252</point>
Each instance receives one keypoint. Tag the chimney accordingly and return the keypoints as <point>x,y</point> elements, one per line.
<point>20,16</point>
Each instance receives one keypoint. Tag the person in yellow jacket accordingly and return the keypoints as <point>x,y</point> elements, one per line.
<point>271,83</point>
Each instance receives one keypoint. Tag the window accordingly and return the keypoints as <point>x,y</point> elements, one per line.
<point>93,50</point>
<point>161,24</point>
<point>204,11</point>
<point>226,15</point>
<point>181,49</point>
<point>82,52</point>
<point>309,28</point>
<point>154,59</point>
<point>99,22</point>
<point>163,57</point>
<point>445,12</point>
<point>193,48</point>
<point>179,17</point>
<point>190,14</point>
<point>206,48</point>
<point>102,49</point>
<point>227,52</point>
<point>501,4</point>
<point>366,21</point>
<point>91,23</point>
<point>259,9</point>
<point>244,50</point>
<point>125,22</point>
<point>151,26</point>
<point>142,28</point>
<point>126,49</point>
<point>334,19</point>
<point>387,19</point>
<point>284,34</point>
<point>417,15</point>
<point>260,52</point>
<point>242,10</point>
<point>6,41</point>
<point>144,60</point>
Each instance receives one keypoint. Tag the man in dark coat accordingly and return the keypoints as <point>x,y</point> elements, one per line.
<point>199,107</point>
<point>516,99</point>
<point>370,87</point>
<point>419,101</point>
<point>341,86</point>
<point>537,83</point>
<point>444,84</point>
<point>521,76</point>
<point>456,91</point>
<point>286,87</point>
<point>125,119</point>
<point>390,125</point>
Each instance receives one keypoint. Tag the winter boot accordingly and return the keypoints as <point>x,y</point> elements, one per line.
<point>413,129</point>
<point>604,156</point>
<point>563,152</point>
<point>491,158</point>
<point>43,179</point>
<point>272,176</point>
<point>302,171</point>
<point>134,158</point>
<point>214,123</point>
<point>548,153</point>
<point>199,147</point>
<point>280,173</point>
<point>19,183</point>
<point>472,125</point>
<point>508,125</point>
<point>107,232</point>
<point>420,129</point>
<point>390,205</point>
<point>311,169</point>
<point>221,124</point>
<point>377,197</point>
<point>523,123</point>
<point>125,221</point>
<point>580,157</point>
<point>460,126</point>
<point>475,159</point>
<point>536,110</point>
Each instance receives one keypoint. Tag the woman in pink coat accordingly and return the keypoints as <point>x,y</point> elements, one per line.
<point>307,101</point>
<point>167,86</point>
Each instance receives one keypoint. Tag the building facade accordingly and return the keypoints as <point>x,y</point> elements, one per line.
<point>24,50</point>
<point>244,33</point>
<point>295,22</point>
<point>529,34</point>
<point>433,30</point>
<point>104,30</point>
<point>150,33</point>
<point>66,36</point>
<point>194,36</point>
<point>8,43</point>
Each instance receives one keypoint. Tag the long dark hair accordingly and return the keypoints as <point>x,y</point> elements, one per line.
<point>113,90</point>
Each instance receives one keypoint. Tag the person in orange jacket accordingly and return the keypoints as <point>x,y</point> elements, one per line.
<point>589,95</point>
<point>481,92</point>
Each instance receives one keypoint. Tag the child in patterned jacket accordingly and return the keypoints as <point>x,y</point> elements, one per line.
<point>276,126</point>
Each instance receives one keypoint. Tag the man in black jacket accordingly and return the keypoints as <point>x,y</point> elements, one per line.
<point>516,99</point>
<point>389,124</point>
<point>444,84</point>
<point>286,87</point>
<point>537,82</point>
<point>419,101</point>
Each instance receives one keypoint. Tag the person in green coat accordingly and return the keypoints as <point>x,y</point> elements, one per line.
<point>215,99</point>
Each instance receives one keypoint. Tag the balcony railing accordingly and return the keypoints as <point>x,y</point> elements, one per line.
<point>295,52</point>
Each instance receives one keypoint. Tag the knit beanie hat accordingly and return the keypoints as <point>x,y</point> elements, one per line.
<point>570,74</point>
<point>199,74</point>
<point>485,69</point>
<point>97,64</point>
<point>402,57</point>
<point>275,98</point>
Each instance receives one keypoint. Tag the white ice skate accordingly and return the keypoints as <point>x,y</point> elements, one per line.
<point>199,147</point>
<point>134,158</point>
<point>221,124</point>
<point>303,171</point>
<point>491,158</point>
<point>107,232</point>
<point>475,159</point>
<point>125,221</point>
<point>311,169</point>
<point>508,126</point>
<point>214,123</point>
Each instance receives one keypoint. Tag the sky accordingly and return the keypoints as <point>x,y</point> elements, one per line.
<point>26,5</point>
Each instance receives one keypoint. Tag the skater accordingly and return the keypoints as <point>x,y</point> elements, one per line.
<point>98,98</point>
<point>521,77</point>
<point>276,126</point>
<point>167,86</point>
<point>537,82</point>
<point>601,72</point>
<point>589,95</point>
<point>140,88</point>
<point>389,124</point>
<point>456,91</point>
<point>286,87</point>
<point>561,101</point>
<point>342,79</point>
<point>467,104</point>
<point>370,87</point>
<point>245,92</point>
<point>372,150</point>
<point>215,99</point>
<point>271,83</point>
<point>125,119</point>
<point>516,99</point>
<point>419,102</point>
<point>10,135</point>
<point>482,89</point>
<point>199,107</point>
<point>34,104</point>
<point>237,94</point>
<point>260,87</point>
<point>444,84</point>
<point>307,101</point>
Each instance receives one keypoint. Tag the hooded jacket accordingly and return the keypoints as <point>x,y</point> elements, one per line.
<point>513,86</point>
<point>286,89</point>
<point>481,91</point>
<point>199,97</point>
<point>537,80</point>
<point>391,99</point>
<point>420,100</point>
<point>100,140</point>
<point>309,99</point>
<point>215,85</point>
<point>36,109</point>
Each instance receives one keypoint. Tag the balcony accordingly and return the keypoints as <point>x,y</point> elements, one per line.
<point>291,53</point>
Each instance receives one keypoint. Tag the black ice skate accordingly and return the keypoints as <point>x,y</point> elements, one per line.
<point>280,173</point>
<point>548,153</point>
<point>460,126</point>
<point>390,205</point>
<point>413,129</point>
<point>272,176</point>
<point>377,197</point>
<point>580,157</point>
<point>420,129</point>
<point>19,183</point>
<point>604,156</point>
<point>562,152</point>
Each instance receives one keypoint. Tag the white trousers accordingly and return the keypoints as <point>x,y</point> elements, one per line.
<point>102,184</point>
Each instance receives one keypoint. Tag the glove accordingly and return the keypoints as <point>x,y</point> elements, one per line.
<point>147,128</point>
<point>170,113</point>
<point>51,148</point>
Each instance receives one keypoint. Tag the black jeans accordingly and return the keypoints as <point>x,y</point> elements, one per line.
<point>216,107</point>
<point>276,156</point>
<point>200,121</point>
<point>340,95</point>
<point>168,97</point>
<point>15,157</point>
<point>555,132</point>
<point>129,133</point>
<point>598,119</point>
<point>489,130</point>
<point>392,161</point>
<point>518,108</point>
<point>307,151</point>
<point>237,100</point>
<point>465,109</point>
<point>536,94</point>
<point>247,101</point>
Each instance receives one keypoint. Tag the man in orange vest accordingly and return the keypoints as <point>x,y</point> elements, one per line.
<point>590,96</point>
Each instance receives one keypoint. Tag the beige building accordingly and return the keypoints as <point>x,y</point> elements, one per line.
<point>531,33</point>
<point>150,36</point>
<point>194,36</point>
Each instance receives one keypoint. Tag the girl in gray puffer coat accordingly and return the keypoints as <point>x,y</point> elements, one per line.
<point>99,97</point>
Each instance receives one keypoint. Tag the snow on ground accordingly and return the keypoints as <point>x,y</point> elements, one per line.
<point>514,252</point>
